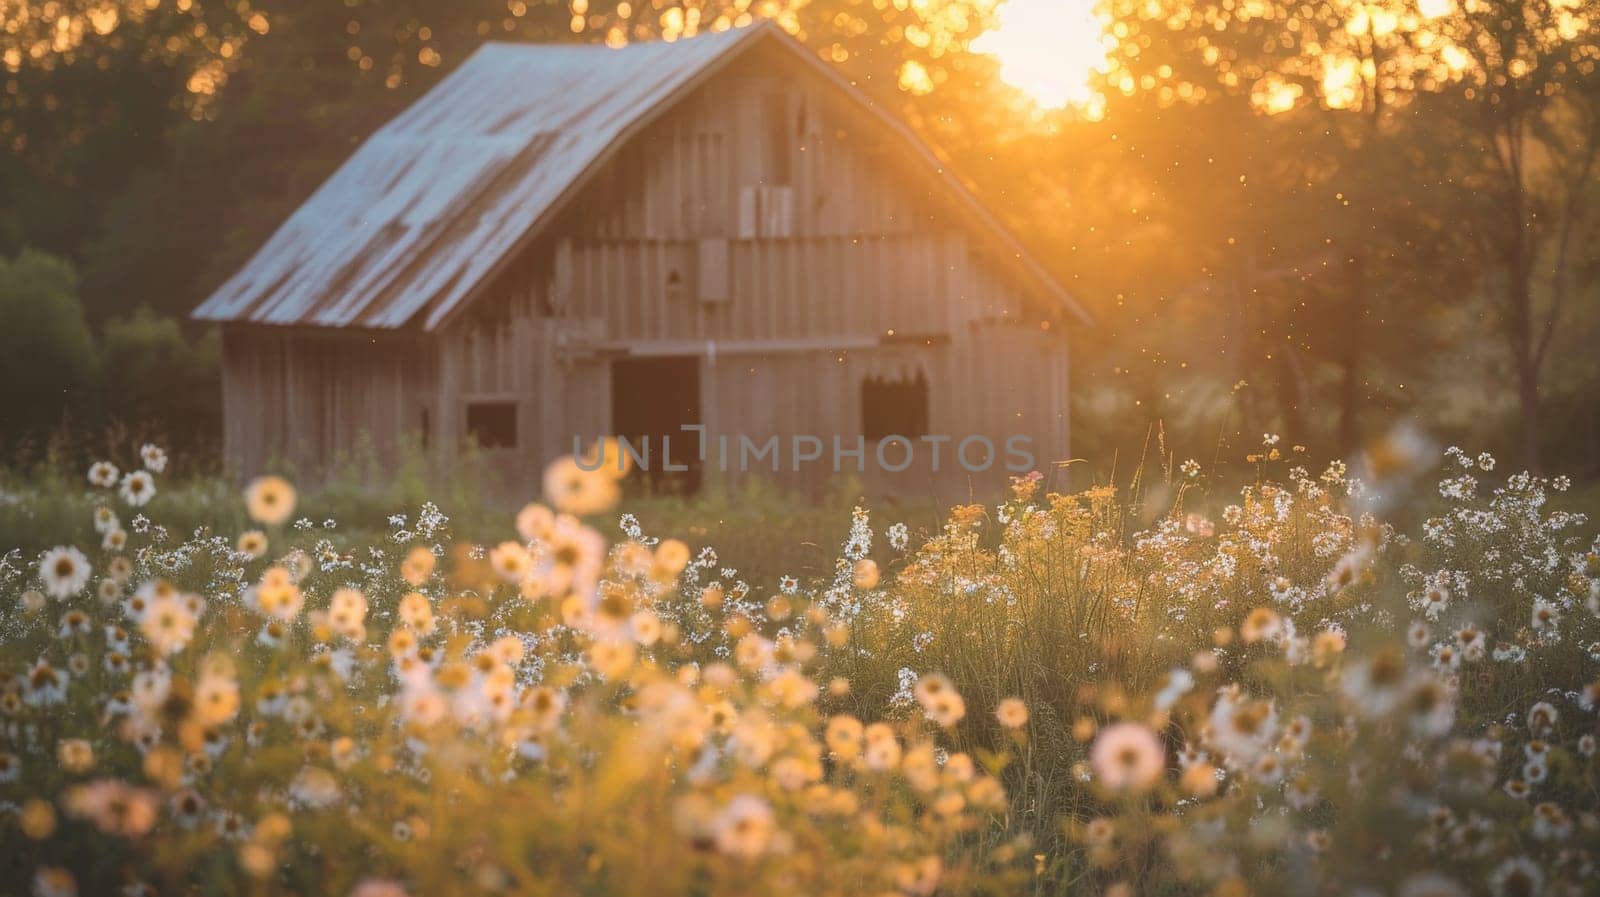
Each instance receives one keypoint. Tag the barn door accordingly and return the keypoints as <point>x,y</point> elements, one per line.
<point>652,399</point>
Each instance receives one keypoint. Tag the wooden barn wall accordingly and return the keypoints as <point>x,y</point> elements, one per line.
<point>316,398</point>
<point>868,275</point>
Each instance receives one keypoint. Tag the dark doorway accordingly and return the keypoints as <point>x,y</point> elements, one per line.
<point>653,398</point>
<point>894,408</point>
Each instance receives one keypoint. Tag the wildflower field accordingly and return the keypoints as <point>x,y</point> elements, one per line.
<point>1156,689</point>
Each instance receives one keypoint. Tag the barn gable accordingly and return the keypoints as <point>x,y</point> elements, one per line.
<point>442,200</point>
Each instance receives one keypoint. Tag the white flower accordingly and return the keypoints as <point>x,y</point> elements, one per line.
<point>745,827</point>
<point>138,488</point>
<point>46,684</point>
<point>1176,685</point>
<point>64,571</point>
<point>1127,756</point>
<point>1515,876</point>
<point>168,624</point>
<point>155,459</point>
<point>1545,615</point>
<point>103,474</point>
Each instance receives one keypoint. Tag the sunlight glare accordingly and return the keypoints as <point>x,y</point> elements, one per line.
<point>1048,49</point>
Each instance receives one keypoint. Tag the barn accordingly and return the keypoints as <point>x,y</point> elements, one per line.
<point>559,242</point>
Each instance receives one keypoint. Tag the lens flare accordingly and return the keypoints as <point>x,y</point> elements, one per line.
<point>1048,49</point>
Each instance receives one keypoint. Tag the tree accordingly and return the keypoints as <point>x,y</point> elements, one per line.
<point>1528,108</point>
<point>47,358</point>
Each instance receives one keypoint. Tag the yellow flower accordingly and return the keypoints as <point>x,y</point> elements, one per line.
<point>417,566</point>
<point>269,500</point>
<point>574,490</point>
<point>252,543</point>
<point>1012,713</point>
<point>865,574</point>
<point>75,755</point>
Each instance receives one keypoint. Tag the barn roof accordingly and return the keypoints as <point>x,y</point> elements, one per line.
<point>430,207</point>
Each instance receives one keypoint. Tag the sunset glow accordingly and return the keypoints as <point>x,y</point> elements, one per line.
<point>1049,49</point>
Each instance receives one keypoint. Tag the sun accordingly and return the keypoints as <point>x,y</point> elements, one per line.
<point>1049,49</point>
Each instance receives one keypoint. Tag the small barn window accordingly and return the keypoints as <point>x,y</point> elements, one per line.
<point>492,424</point>
<point>894,408</point>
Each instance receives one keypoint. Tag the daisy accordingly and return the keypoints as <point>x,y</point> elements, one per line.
<point>1551,823</point>
<point>252,544</point>
<point>269,500</point>
<point>418,566</point>
<point>1435,600</point>
<point>1012,713</point>
<point>883,748</point>
<point>46,684</point>
<point>277,595</point>
<point>1127,757</point>
<point>843,737</point>
<point>1431,706</point>
<point>1545,616</point>
<point>75,755</point>
<point>647,628</point>
<point>64,570</point>
<point>510,561</point>
<point>216,698</point>
<point>347,613</point>
<point>576,491</point>
<point>1516,876</point>
<point>187,808</point>
<point>1241,728</point>
<point>670,558</point>
<point>75,624</point>
<point>1589,697</point>
<point>1542,717</point>
<point>1375,685</point>
<point>105,520</point>
<point>138,488</point>
<point>416,612</point>
<point>103,474</point>
<point>154,457</point>
<point>745,827</point>
<point>545,706</point>
<point>168,624</point>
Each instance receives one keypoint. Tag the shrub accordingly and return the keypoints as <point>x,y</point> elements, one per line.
<point>47,357</point>
<point>153,374</point>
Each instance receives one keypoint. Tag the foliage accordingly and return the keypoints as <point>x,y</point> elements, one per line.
<point>59,383</point>
<point>47,358</point>
<point>152,373</point>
